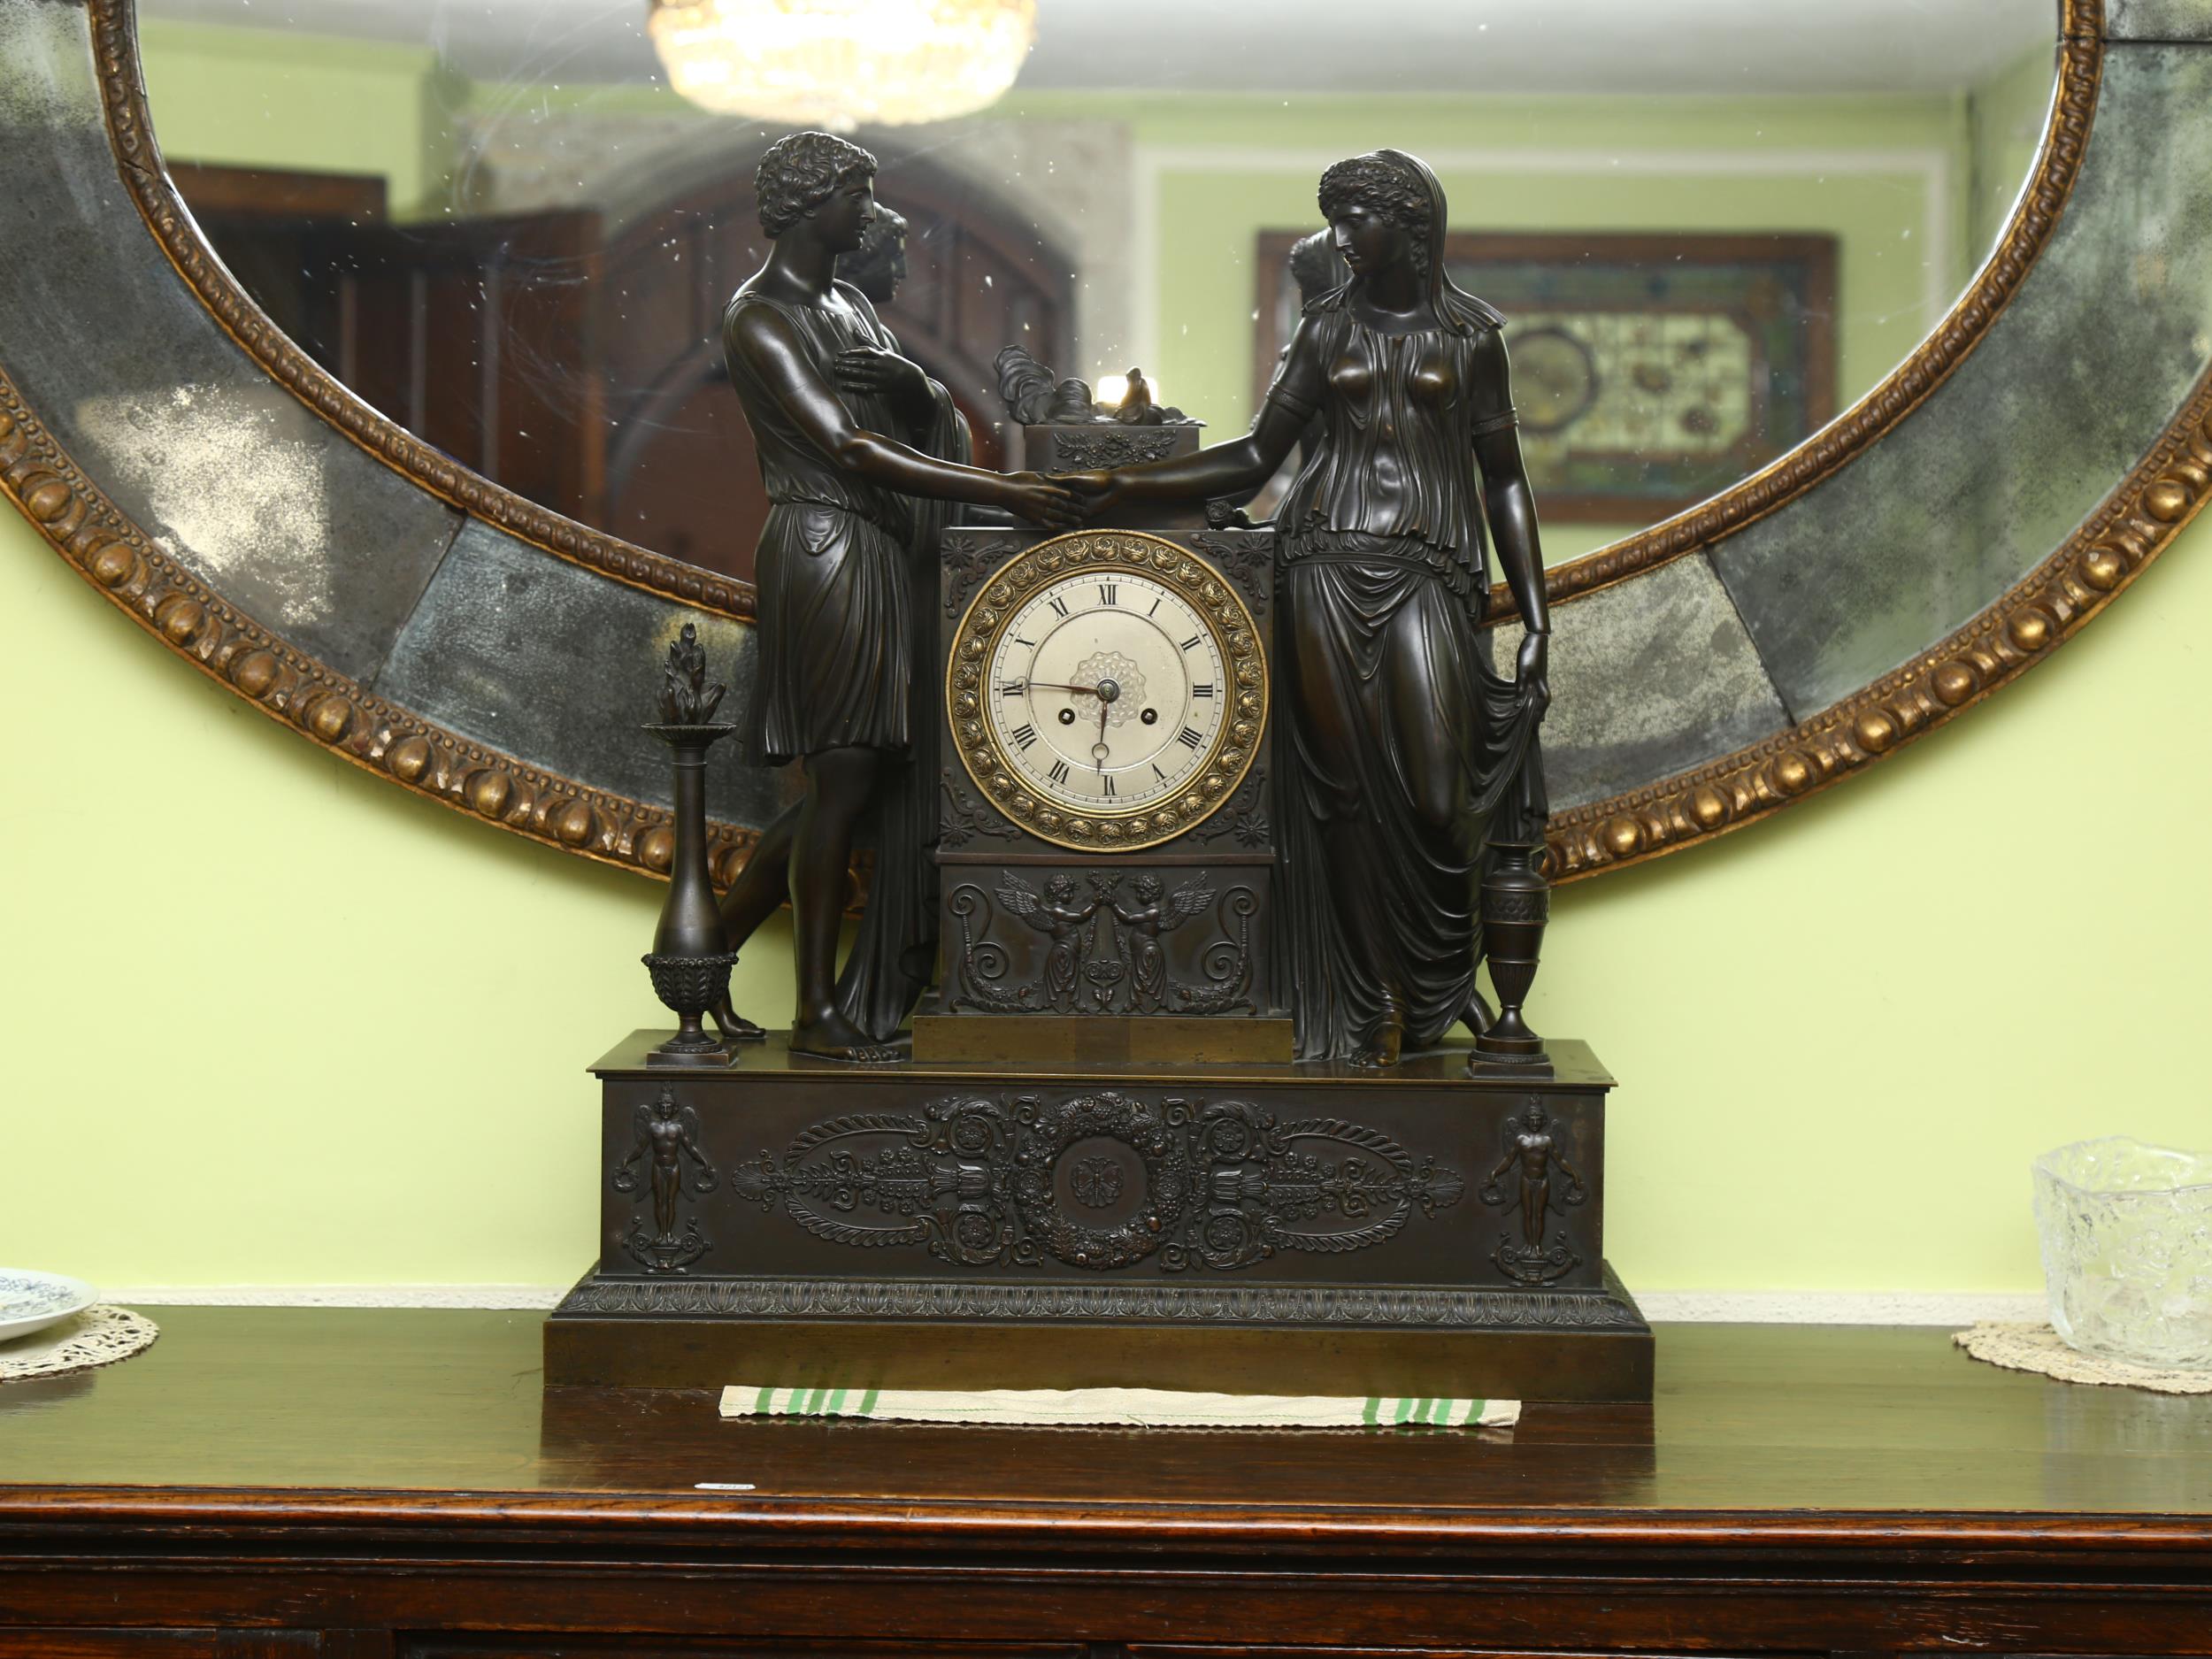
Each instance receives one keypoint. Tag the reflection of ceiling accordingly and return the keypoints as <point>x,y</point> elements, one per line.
<point>1695,46</point>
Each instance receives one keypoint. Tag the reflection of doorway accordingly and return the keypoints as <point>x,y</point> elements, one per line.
<point>680,476</point>
<point>475,334</point>
<point>586,374</point>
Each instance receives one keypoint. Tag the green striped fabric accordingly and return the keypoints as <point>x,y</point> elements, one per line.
<point>1156,1408</point>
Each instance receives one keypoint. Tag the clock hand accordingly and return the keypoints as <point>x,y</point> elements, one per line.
<point>1047,685</point>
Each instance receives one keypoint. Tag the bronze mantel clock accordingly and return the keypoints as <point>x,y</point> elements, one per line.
<point>1099,1166</point>
<point>1182,1105</point>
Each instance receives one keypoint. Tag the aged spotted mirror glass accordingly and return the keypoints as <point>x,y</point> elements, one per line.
<point>307,312</point>
<point>1711,227</point>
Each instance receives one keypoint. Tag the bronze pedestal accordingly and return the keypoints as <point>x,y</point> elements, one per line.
<point>1246,1226</point>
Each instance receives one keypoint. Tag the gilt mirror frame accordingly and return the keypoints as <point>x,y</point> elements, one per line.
<point>1747,547</point>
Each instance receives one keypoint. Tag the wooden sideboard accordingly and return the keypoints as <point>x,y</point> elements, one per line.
<point>355,1483</point>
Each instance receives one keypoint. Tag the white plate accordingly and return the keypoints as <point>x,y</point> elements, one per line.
<point>31,1302</point>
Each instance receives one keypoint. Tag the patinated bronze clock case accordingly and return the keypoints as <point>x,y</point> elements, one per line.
<point>1075,921</point>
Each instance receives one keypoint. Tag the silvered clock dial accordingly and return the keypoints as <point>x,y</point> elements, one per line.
<point>1106,689</point>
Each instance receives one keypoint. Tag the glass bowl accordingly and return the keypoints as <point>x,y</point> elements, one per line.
<point>2126,1231</point>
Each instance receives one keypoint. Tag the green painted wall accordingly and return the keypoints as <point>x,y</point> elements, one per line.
<point>246,97</point>
<point>347,1042</point>
<point>275,1022</point>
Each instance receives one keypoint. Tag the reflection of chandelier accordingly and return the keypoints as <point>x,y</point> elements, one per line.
<point>839,62</point>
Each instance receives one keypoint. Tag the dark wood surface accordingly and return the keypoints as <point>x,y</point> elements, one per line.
<point>364,1473</point>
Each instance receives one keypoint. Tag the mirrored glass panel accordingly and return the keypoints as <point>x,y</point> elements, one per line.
<point>1711,225</point>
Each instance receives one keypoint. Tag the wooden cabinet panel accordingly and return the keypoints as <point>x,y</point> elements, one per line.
<point>444,1647</point>
<point>158,1644</point>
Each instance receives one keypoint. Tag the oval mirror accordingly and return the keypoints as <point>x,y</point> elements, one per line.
<point>428,452</point>
<point>1711,227</point>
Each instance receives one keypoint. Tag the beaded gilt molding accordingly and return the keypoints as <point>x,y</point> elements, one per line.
<point>2166,488</point>
<point>1208,788</point>
<point>2162,492</point>
<point>119,559</point>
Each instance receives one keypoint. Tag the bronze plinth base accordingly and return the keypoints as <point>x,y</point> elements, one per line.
<point>719,1058</point>
<point>705,1333</point>
<point>1056,1222</point>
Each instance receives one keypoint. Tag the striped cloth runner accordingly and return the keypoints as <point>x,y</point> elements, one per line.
<point>1148,1407</point>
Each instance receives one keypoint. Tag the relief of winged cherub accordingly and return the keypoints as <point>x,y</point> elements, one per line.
<point>1156,912</point>
<point>1058,916</point>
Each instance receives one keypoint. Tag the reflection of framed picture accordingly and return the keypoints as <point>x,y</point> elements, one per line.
<point>1650,370</point>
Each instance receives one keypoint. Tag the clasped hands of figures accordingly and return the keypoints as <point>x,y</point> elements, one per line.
<point>1066,500</point>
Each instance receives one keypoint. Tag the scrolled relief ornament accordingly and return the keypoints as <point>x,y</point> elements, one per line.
<point>873,1181</point>
<point>1100,1181</point>
<point>1152,1204</point>
<point>1264,1185</point>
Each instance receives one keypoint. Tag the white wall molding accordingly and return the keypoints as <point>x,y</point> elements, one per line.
<point>531,1296</point>
<point>1956,1308</point>
<point>1754,1307</point>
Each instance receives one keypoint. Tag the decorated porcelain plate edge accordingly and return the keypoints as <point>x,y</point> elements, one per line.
<point>31,1302</point>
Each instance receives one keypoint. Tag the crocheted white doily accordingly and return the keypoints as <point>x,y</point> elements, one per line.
<point>2037,1347</point>
<point>98,1336</point>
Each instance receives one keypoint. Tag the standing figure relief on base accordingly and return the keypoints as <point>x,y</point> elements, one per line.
<point>1533,1158</point>
<point>861,454</point>
<point>1408,787</point>
<point>667,1135</point>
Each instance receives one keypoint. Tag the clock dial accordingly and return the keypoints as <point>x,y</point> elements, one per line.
<point>1107,689</point>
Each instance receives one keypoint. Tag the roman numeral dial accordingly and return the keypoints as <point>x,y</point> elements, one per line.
<point>1107,702</point>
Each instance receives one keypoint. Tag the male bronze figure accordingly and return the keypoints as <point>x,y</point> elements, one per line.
<point>858,450</point>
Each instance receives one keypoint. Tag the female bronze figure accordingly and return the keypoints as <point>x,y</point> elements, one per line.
<point>858,450</point>
<point>1406,760</point>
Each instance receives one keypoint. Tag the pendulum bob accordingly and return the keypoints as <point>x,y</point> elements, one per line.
<point>1515,904</point>
<point>691,959</point>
